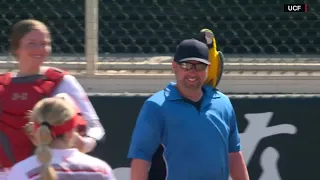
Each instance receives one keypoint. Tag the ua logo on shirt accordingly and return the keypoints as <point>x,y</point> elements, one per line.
<point>20,96</point>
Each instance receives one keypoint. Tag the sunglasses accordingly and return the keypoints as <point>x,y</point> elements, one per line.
<point>188,66</point>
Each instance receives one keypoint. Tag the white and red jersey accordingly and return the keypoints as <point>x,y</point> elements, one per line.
<point>69,164</point>
<point>69,85</point>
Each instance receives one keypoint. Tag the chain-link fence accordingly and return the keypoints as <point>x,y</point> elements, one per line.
<point>64,18</point>
<point>242,27</point>
<point>149,30</point>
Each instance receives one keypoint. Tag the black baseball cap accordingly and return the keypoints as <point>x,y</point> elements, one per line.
<point>192,50</point>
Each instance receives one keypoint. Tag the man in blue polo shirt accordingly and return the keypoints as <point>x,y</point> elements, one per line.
<point>195,124</point>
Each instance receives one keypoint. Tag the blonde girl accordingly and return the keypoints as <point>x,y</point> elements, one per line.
<point>55,121</point>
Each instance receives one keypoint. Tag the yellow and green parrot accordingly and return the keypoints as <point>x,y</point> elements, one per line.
<point>216,58</point>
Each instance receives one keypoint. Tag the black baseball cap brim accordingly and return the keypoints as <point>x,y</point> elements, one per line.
<point>195,59</point>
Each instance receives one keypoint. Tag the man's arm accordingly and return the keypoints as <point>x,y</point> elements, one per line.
<point>145,140</point>
<point>139,169</point>
<point>238,168</point>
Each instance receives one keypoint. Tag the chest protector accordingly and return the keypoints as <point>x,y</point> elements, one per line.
<point>17,98</point>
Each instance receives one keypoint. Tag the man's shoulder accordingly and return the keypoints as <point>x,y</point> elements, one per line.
<point>216,93</point>
<point>222,95</point>
<point>158,97</point>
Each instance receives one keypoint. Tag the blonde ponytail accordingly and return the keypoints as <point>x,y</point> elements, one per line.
<point>48,112</point>
<point>43,153</point>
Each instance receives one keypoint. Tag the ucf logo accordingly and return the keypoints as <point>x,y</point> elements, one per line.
<point>20,96</point>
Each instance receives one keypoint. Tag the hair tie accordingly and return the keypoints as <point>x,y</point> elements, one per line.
<point>45,123</point>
